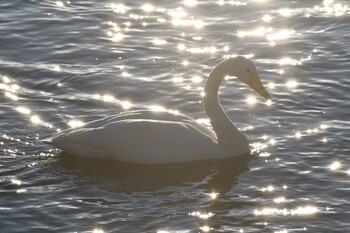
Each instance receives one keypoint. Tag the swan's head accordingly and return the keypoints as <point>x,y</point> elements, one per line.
<point>245,70</point>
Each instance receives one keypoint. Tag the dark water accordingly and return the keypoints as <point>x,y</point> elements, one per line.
<point>64,63</point>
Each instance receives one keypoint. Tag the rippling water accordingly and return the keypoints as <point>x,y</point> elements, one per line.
<point>63,63</point>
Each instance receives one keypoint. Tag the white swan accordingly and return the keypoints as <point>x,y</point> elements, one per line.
<point>148,137</point>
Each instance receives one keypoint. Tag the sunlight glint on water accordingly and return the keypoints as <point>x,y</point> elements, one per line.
<point>66,63</point>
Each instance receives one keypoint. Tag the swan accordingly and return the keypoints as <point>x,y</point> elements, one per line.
<point>148,137</point>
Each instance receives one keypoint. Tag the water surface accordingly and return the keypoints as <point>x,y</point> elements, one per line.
<point>63,63</point>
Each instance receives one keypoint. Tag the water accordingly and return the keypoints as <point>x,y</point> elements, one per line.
<point>64,63</point>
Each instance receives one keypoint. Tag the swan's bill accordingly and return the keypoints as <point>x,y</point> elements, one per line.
<point>256,84</point>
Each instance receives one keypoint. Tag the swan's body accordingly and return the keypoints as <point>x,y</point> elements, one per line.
<point>160,137</point>
<point>148,137</point>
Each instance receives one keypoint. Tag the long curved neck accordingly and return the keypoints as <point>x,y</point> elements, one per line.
<point>227,133</point>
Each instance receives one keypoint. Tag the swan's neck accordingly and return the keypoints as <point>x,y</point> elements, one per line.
<point>227,133</point>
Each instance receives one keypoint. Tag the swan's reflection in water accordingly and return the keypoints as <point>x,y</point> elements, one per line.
<point>209,181</point>
<point>211,175</point>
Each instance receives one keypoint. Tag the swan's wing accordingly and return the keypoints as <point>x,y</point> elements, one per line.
<point>134,115</point>
<point>137,114</point>
<point>142,141</point>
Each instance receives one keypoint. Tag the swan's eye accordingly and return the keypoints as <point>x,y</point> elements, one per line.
<point>248,70</point>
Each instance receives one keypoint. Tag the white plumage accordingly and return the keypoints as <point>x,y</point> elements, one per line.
<point>148,137</point>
